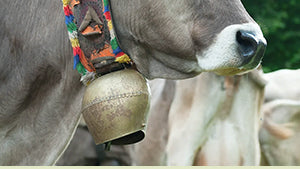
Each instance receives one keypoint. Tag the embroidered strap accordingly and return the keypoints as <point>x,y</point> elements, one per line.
<point>121,57</point>
<point>72,30</point>
<point>102,52</point>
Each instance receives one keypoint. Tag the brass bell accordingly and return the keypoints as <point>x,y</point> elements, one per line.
<point>115,107</point>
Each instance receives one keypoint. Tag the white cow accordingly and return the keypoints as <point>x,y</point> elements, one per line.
<point>212,120</point>
<point>280,132</point>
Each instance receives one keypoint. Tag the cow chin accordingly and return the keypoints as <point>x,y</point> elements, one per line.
<point>234,71</point>
<point>224,56</point>
<point>155,68</point>
<point>231,72</point>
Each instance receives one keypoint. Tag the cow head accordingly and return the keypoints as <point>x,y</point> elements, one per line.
<point>180,39</point>
<point>279,135</point>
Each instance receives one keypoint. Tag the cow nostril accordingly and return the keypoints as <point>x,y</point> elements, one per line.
<point>250,47</point>
<point>247,43</point>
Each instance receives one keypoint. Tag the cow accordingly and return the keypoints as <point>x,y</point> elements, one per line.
<point>211,120</point>
<point>279,135</point>
<point>40,94</point>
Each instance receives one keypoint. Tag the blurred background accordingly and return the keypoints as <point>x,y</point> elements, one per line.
<point>280,23</point>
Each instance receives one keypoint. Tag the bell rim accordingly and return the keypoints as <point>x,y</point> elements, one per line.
<point>143,129</point>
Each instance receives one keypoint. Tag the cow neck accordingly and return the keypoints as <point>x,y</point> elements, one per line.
<point>111,48</point>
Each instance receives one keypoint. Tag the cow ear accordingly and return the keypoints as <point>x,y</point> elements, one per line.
<point>282,117</point>
<point>279,136</point>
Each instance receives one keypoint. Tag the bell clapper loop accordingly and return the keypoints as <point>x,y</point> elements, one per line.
<point>107,146</point>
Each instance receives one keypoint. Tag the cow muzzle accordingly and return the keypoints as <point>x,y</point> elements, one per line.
<point>115,107</point>
<point>237,49</point>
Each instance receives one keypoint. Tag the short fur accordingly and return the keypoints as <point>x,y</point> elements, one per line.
<point>40,94</point>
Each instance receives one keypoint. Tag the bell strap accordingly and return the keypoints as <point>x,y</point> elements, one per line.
<point>109,56</point>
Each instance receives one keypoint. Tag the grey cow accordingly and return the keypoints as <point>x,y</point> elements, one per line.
<point>40,94</point>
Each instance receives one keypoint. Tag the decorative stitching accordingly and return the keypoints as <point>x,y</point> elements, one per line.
<point>114,97</point>
<point>73,36</point>
<point>79,58</point>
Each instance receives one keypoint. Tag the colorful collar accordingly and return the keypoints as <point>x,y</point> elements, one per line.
<point>82,63</point>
